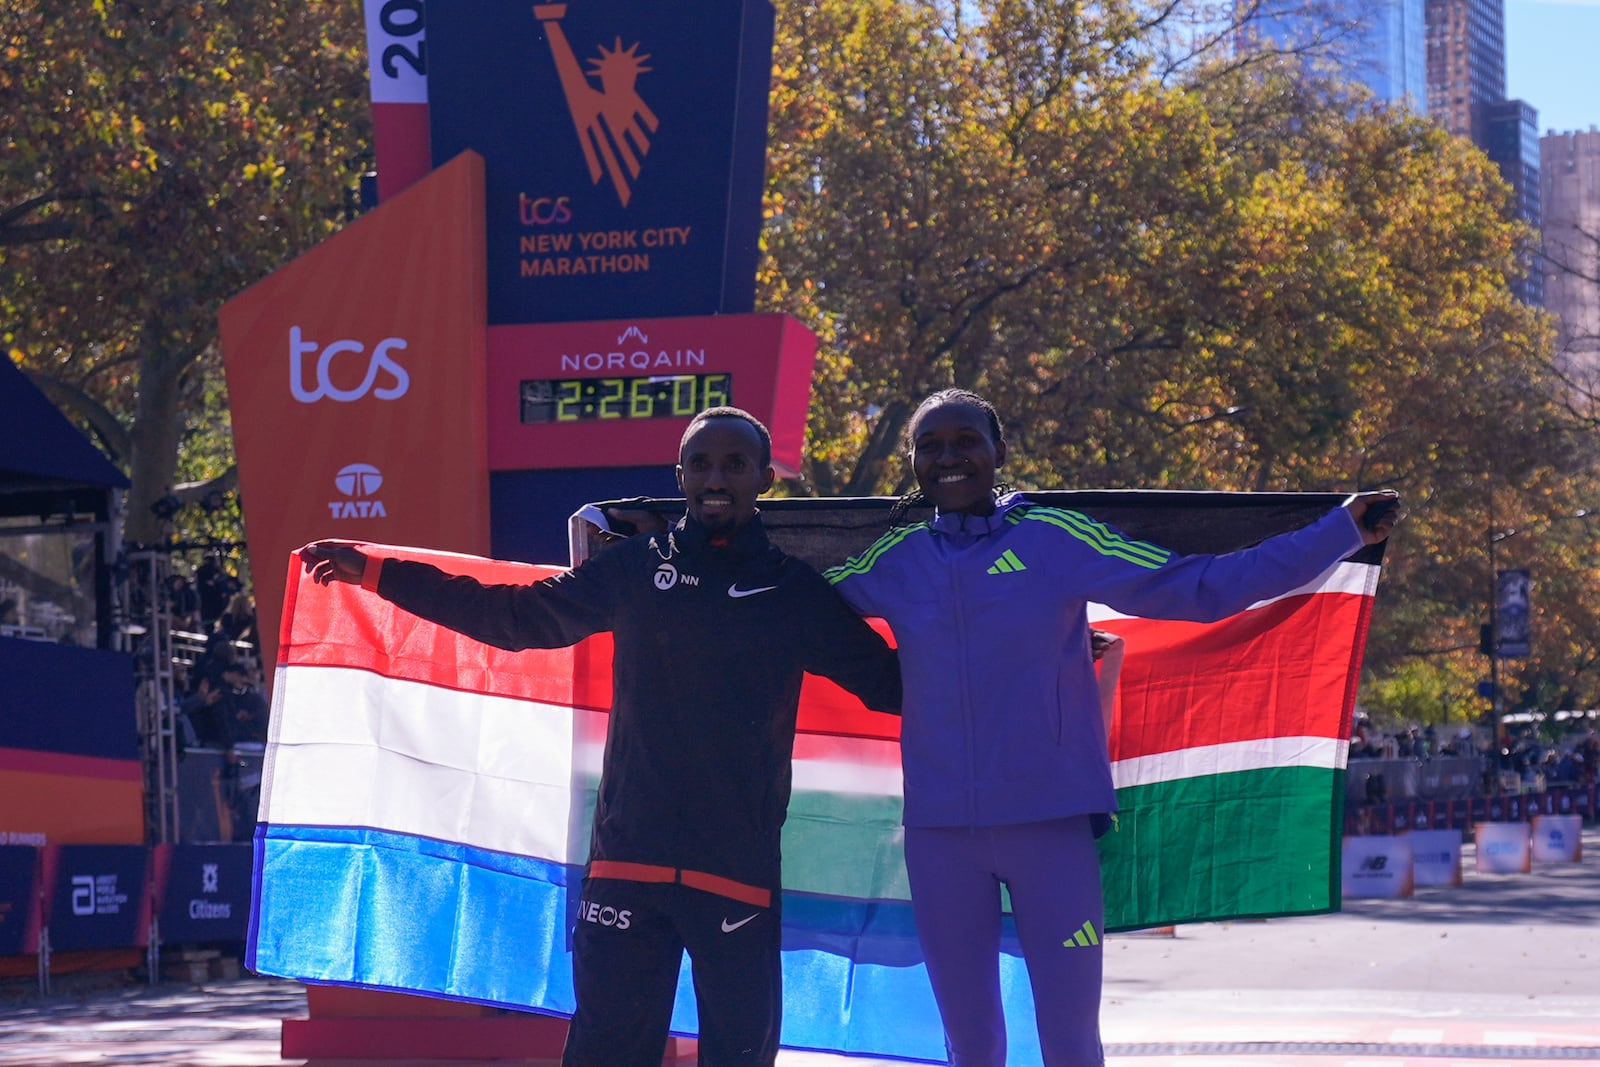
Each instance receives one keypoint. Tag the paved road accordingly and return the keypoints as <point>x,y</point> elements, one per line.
<point>1503,969</point>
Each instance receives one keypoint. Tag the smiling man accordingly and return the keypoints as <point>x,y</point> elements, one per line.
<point>713,627</point>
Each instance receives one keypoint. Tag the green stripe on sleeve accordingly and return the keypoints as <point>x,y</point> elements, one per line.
<point>863,563</point>
<point>1100,537</point>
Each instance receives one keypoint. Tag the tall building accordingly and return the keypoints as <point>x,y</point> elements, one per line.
<point>1510,138</point>
<point>1467,96</point>
<point>1380,43</point>
<point>1570,179</point>
<point>1466,62</point>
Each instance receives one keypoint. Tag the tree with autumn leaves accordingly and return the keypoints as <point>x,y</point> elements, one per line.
<point>1170,263</point>
<point>1225,274</point>
<point>158,158</point>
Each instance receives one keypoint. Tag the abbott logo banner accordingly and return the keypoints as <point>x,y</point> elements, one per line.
<point>398,381</point>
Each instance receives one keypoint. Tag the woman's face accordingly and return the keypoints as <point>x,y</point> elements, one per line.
<point>955,458</point>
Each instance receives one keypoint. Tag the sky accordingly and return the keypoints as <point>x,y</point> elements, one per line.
<point>1553,60</point>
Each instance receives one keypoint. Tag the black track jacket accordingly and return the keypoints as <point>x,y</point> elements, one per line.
<point>710,644</point>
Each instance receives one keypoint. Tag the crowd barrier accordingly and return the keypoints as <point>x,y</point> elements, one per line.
<point>74,898</point>
<point>1393,865</point>
<point>1463,813</point>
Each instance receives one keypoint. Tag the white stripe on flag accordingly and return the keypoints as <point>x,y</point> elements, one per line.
<point>355,748</point>
<point>1353,579</point>
<point>1236,756</point>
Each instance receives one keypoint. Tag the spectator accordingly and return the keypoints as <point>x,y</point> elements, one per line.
<point>214,585</point>
<point>246,712</point>
<point>238,620</point>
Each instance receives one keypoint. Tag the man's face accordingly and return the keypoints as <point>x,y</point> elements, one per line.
<point>721,473</point>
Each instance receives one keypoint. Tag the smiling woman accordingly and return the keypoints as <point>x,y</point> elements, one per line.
<point>1007,777</point>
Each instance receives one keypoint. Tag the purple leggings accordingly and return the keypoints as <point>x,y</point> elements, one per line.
<point>1052,871</point>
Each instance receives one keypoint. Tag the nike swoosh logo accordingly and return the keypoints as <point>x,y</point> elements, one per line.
<point>735,592</point>
<point>728,927</point>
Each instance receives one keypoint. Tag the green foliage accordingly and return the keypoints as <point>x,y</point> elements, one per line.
<point>158,159</point>
<point>1419,693</point>
<point>1168,270</point>
<point>1221,274</point>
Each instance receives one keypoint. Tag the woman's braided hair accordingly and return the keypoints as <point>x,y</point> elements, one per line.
<point>916,497</point>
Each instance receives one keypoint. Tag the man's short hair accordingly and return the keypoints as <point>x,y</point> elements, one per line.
<point>730,413</point>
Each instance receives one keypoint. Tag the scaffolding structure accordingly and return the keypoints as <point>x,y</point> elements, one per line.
<point>144,626</point>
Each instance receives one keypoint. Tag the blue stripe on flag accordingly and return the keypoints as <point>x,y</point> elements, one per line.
<point>375,909</point>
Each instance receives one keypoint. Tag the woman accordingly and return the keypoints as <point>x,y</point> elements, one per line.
<point>1003,745</point>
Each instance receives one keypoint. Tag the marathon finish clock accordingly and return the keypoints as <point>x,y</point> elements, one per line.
<point>642,396</point>
<point>619,393</point>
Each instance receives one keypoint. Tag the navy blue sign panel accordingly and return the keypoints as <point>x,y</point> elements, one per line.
<point>624,147</point>
<point>19,880</point>
<point>99,897</point>
<point>207,895</point>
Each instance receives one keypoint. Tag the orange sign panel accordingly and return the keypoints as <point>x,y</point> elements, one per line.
<point>356,382</point>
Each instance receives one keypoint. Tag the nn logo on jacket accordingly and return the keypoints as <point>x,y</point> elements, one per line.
<point>1008,563</point>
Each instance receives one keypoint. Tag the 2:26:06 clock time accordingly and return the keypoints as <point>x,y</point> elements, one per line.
<point>654,396</point>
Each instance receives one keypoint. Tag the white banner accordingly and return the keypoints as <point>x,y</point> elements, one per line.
<point>1557,838</point>
<point>1377,867</point>
<point>1502,847</point>
<point>1435,857</point>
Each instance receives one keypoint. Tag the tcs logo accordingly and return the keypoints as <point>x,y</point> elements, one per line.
<point>544,210</point>
<point>398,381</point>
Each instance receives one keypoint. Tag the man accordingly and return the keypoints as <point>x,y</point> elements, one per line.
<point>713,628</point>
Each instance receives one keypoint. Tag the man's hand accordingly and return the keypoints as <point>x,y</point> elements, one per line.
<point>1375,514</point>
<point>334,561</point>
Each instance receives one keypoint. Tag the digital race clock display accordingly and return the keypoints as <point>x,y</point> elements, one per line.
<point>653,396</point>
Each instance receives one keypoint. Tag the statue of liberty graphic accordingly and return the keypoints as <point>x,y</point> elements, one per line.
<point>612,123</point>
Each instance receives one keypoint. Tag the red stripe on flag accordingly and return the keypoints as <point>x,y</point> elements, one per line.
<point>1284,670</point>
<point>343,625</point>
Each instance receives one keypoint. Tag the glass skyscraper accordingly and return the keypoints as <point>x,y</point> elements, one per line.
<point>1379,43</point>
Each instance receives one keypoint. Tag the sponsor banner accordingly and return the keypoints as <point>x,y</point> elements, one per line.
<point>625,146</point>
<point>397,72</point>
<point>1503,847</point>
<point>70,766</point>
<point>356,380</point>
<point>202,892</point>
<point>1556,839</point>
<point>1377,867</point>
<point>19,900</point>
<point>1513,634</point>
<point>97,896</point>
<point>620,393</point>
<point>1435,857</point>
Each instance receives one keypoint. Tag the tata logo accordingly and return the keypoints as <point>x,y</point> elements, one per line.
<point>358,482</point>
<point>397,381</point>
<point>613,122</point>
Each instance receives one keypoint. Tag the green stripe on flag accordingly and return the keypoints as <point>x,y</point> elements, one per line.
<point>1241,845</point>
<point>827,836</point>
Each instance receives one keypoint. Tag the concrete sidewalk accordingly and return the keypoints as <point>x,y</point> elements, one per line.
<point>1504,968</point>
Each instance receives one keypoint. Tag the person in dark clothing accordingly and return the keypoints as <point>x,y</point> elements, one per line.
<point>713,627</point>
